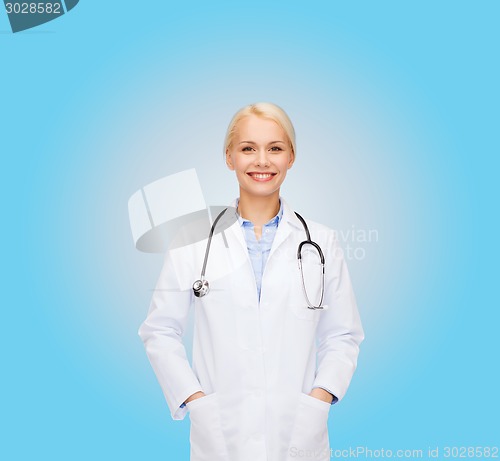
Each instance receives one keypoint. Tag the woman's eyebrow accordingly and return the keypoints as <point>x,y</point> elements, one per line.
<point>253,142</point>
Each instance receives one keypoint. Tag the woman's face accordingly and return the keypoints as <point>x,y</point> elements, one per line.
<point>261,155</point>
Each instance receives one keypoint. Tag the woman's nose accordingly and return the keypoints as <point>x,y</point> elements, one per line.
<point>262,158</point>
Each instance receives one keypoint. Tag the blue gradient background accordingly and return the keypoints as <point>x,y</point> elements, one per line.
<point>395,105</point>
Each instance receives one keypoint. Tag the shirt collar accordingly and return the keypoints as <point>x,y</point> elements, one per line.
<point>276,220</point>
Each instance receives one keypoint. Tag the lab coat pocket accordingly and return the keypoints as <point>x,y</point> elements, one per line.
<point>206,437</point>
<point>309,436</point>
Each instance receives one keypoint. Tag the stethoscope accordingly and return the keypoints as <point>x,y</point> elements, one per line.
<point>201,287</point>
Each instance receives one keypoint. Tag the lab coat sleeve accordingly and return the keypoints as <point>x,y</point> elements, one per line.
<point>339,331</point>
<point>162,334</point>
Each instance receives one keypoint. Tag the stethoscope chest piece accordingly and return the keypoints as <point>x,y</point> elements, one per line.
<point>201,288</point>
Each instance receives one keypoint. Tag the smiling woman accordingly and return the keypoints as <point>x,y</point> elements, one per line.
<point>267,364</point>
<point>260,152</point>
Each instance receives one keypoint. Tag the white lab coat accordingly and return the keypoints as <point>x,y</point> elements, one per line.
<point>256,362</point>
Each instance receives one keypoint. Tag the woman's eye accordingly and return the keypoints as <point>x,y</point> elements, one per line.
<point>246,149</point>
<point>276,148</point>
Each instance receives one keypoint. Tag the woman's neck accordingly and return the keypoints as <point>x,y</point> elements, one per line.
<point>258,210</point>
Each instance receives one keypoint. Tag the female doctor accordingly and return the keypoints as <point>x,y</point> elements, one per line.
<point>274,345</point>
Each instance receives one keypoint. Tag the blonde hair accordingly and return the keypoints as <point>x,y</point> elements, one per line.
<point>266,110</point>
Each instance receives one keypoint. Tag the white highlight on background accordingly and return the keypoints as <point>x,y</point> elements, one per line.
<point>160,209</point>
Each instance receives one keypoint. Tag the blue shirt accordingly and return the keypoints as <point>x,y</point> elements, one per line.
<point>259,250</point>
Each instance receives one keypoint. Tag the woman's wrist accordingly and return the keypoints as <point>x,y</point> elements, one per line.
<point>195,396</point>
<point>321,394</point>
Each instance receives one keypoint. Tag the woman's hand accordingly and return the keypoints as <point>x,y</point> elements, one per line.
<point>321,394</point>
<point>195,396</point>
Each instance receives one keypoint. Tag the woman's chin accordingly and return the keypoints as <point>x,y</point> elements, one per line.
<point>260,194</point>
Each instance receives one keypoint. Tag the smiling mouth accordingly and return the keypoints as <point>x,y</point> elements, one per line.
<point>261,176</point>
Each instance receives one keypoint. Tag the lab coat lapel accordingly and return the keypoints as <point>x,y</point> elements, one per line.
<point>289,222</point>
<point>236,238</point>
<point>236,241</point>
<point>242,277</point>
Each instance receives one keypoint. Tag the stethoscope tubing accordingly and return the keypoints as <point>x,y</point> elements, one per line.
<point>207,250</point>
<point>310,305</point>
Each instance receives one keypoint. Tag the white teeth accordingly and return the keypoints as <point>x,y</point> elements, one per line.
<point>261,175</point>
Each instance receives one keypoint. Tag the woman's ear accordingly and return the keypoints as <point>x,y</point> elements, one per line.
<point>292,159</point>
<point>229,160</point>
